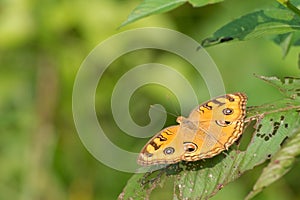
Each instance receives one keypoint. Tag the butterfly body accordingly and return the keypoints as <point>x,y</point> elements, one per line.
<point>209,129</point>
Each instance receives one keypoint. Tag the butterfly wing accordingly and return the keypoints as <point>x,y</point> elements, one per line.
<point>164,148</point>
<point>210,128</point>
<point>234,105</point>
<point>219,123</point>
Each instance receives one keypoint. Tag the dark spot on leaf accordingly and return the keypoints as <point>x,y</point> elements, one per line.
<point>259,127</point>
<point>276,126</point>
<point>226,39</point>
<point>286,125</point>
<point>266,138</point>
<point>269,155</point>
<point>284,140</point>
<point>281,117</point>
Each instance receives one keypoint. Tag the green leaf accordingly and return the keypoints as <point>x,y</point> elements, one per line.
<point>289,86</point>
<point>279,165</point>
<point>255,25</point>
<point>204,178</point>
<point>199,3</point>
<point>291,5</point>
<point>286,41</point>
<point>151,7</point>
<point>133,190</point>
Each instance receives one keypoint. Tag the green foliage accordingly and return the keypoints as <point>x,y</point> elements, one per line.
<point>151,7</point>
<point>262,23</point>
<point>279,165</point>
<point>289,86</point>
<point>256,25</point>
<point>286,41</point>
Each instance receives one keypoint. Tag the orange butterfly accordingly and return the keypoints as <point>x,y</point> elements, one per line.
<point>210,129</point>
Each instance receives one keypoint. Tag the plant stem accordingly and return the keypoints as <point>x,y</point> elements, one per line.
<point>290,6</point>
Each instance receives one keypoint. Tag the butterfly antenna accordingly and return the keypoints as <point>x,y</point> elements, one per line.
<point>173,106</point>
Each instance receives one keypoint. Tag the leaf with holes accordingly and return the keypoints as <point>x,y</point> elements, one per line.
<point>289,86</point>
<point>256,25</point>
<point>279,165</point>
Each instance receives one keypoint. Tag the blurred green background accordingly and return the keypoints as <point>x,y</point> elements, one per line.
<point>43,44</point>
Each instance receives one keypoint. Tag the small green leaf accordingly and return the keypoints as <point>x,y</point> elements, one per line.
<point>289,86</point>
<point>151,7</point>
<point>256,25</point>
<point>279,165</point>
<point>286,41</point>
<point>290,5</point>
<point>134,189</point>
<point>199,3</point>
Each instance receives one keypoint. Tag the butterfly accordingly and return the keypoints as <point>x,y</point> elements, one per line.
<point>211,128</point>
